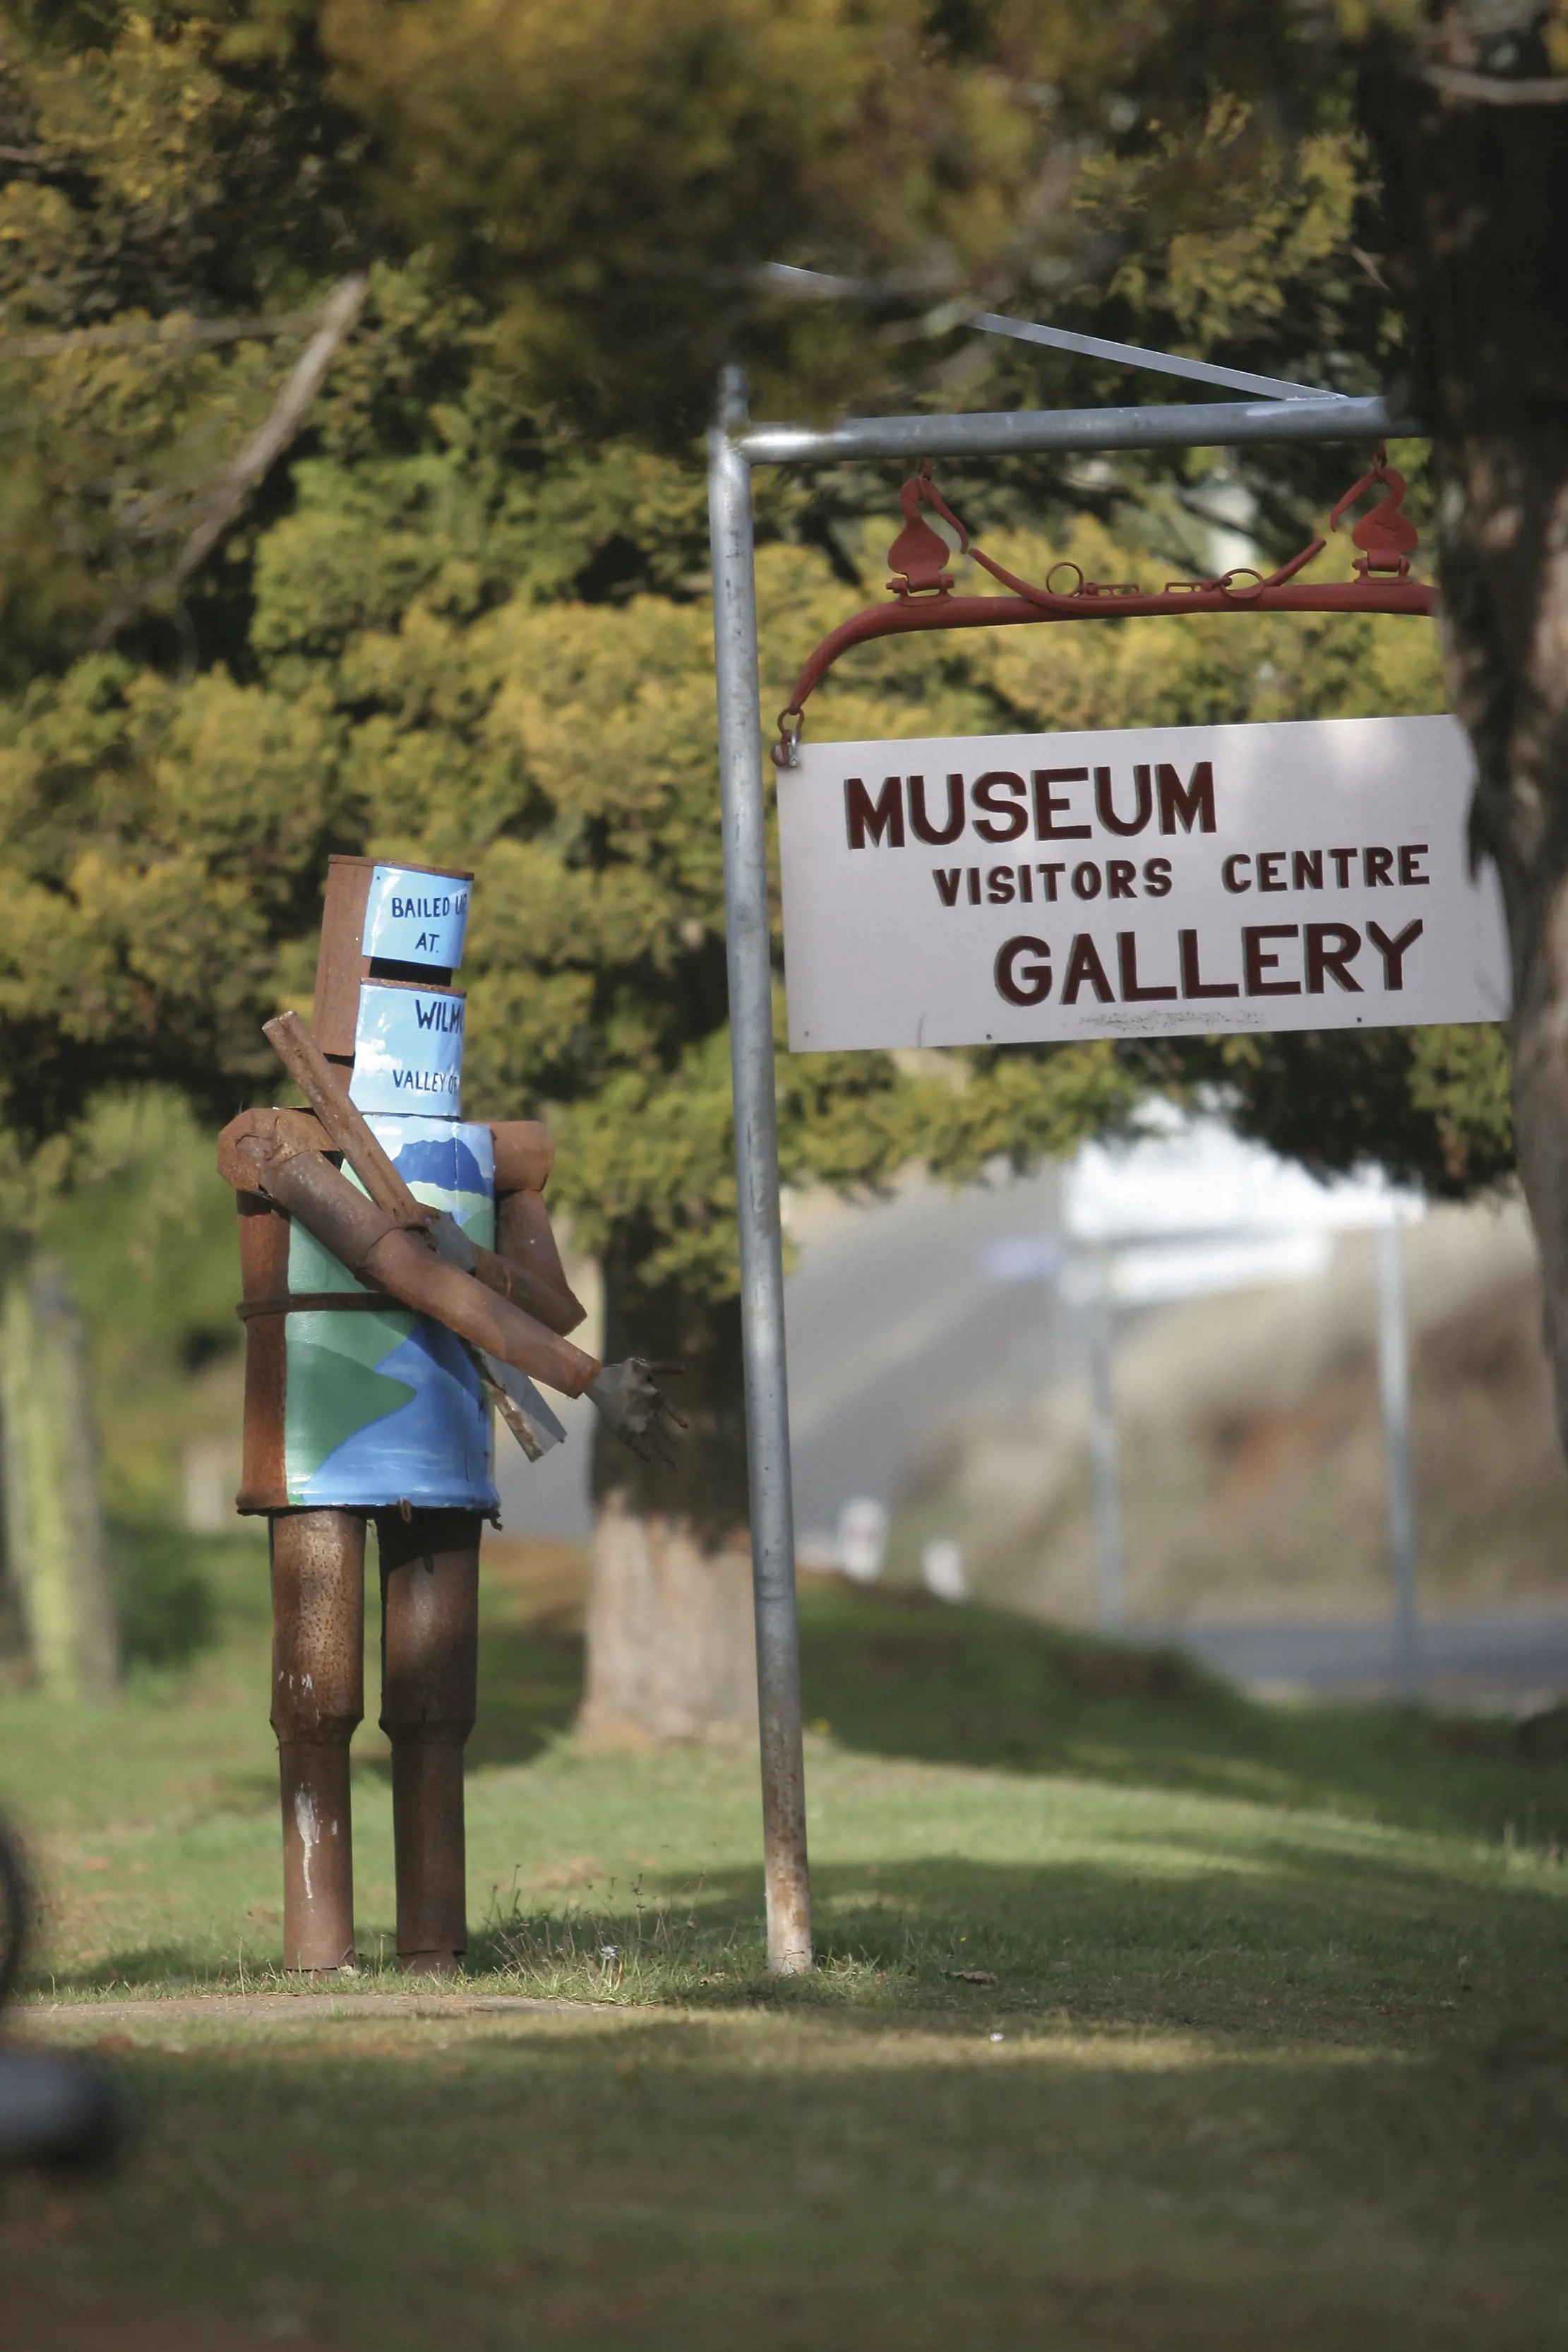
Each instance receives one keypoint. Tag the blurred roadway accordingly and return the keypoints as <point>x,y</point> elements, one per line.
<point>1512,1656</point>
<point>891,1327</point>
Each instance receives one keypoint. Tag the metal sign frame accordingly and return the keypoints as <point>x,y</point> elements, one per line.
<point>735,446</point>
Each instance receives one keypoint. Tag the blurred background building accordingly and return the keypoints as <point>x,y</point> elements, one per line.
<point>939,1369</point>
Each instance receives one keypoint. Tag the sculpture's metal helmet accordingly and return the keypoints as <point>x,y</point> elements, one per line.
<point>391,938</point>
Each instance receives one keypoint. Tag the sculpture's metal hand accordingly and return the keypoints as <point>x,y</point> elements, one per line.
<point>636,1408</point>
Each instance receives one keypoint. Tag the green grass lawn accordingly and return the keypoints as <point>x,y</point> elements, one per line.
<point>1270,2044</point>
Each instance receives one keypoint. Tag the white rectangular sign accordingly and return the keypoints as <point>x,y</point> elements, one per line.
<point>1160,881</point>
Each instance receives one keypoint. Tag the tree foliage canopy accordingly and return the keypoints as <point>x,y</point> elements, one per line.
<point>465,619</point>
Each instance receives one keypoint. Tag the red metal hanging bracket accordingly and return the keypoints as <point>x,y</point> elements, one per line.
<point>1385,534</point>
<point>923,592</point>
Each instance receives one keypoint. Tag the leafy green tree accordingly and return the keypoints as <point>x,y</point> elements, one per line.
<point>433,669</point>
<point>167,840</point>
<point>171,217</point>
<point>1175,163</point>
<point>457,611</point>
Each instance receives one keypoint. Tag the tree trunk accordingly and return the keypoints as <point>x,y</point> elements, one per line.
<point>54,1527</point>
<point>1476,194</point>
<point>671,1648</point>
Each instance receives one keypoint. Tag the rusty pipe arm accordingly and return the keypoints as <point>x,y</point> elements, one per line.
<point>352,1135</point>
<point>363,1236</point>
<point>527,1247</point>
<point>627,1395</point>
<point>527,1290</point>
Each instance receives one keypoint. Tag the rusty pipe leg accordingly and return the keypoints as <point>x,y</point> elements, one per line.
<point>430,1650</point>
<point>317,1698</point>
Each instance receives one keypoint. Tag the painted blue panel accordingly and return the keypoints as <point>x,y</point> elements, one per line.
<point>414,918</point>
<point>435,1450</point>
<point>408,1050</point>
<point>354,1437</point>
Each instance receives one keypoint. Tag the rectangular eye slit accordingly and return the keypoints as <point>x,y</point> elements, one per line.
<point>425,975</point>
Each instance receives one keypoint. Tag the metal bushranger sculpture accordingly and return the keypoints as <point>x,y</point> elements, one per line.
<point>399,1277</point>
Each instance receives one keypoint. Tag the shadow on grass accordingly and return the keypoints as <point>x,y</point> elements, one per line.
<point>530,1686</point>
<point>1303,1946</point>
<point>668,2184</point>
<point>1275,1935</point>
<point>1297,1937</point>
<point>160,1968</point>
<point>1278,1935</point>
<point>897,1675</point>
<point>177,1593</point>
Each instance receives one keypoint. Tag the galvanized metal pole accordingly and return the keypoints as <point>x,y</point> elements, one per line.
<point>757,1174</point>
<point>1103,1454</point>
<point>1394,1380</point>
<point>1181,425</point>
<point>733,448</point>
